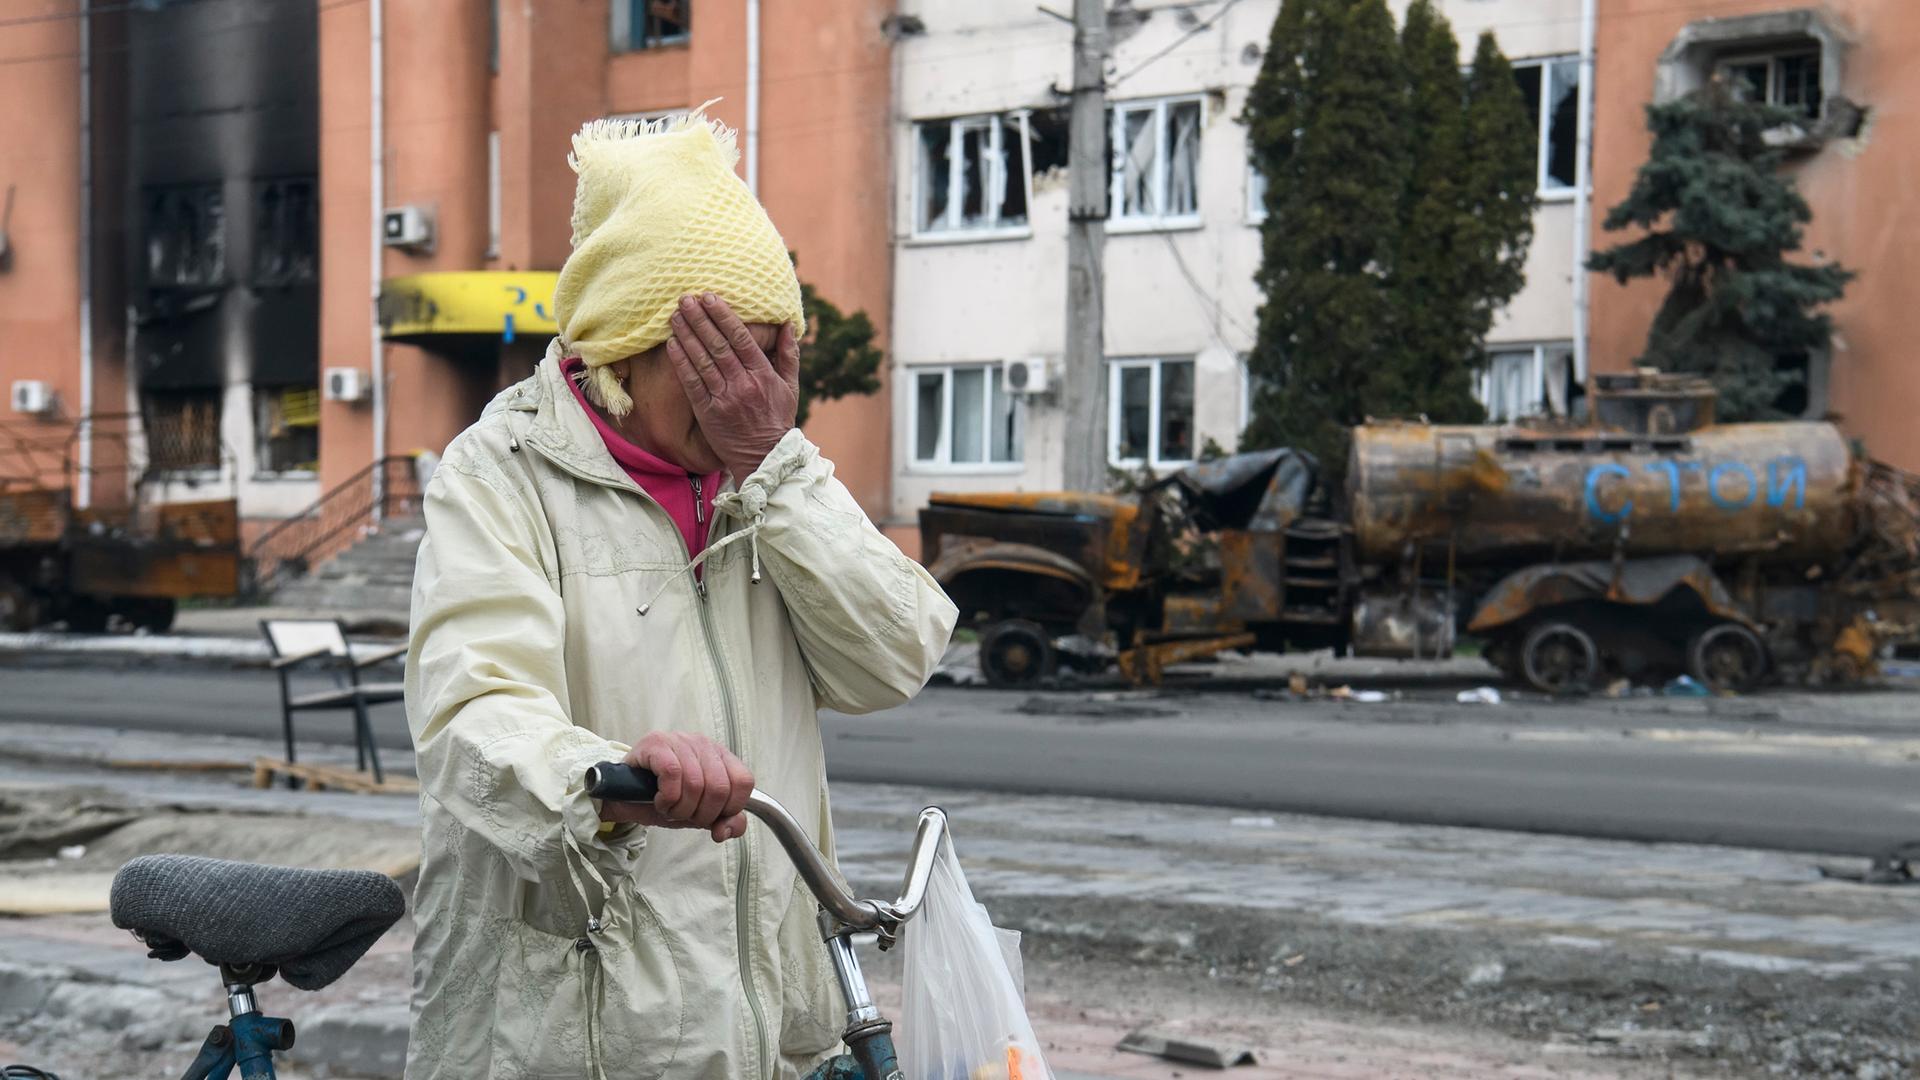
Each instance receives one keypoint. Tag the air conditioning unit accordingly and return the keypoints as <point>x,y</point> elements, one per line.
<point>32,397</point>
<point>406,227</point>
<point>347,384</point>
<point>1025,376</point>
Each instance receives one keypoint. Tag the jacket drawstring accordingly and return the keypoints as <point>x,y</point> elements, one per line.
<point>749,506</point>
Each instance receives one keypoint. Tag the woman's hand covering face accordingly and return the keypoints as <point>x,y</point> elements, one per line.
<point>744,400</point>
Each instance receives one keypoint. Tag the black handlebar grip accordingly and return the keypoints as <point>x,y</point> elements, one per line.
<point>616,781</point>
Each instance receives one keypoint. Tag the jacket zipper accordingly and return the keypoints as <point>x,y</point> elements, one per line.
<point>699,518</point>
<point>744,889</point>
<point>745,884</point>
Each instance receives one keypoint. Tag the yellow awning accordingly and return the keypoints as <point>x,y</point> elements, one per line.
<point>503,303</point>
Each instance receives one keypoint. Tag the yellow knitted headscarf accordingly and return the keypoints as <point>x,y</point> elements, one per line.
<point>659,213</point>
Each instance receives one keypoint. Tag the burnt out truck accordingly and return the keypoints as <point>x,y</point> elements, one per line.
<point>124,560</point>
<point>1646,543</point>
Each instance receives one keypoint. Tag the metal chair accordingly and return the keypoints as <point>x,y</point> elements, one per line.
<point>322,643</point>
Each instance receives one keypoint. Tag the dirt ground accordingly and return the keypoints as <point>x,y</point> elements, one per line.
<point>1081,1005</point>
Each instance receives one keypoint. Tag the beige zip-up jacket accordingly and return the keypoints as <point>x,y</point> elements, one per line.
<point>546,947</point>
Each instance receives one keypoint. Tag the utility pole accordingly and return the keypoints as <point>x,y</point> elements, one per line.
<point>1083,385</point>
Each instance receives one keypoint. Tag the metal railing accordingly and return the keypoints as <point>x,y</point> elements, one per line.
<point>124,468</point>
<point>353,509</point>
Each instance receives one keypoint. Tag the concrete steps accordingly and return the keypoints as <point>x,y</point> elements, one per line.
<point>375,575</point>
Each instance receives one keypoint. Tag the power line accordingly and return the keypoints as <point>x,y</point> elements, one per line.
<point>1208,304</point>
<point>1176,43</point>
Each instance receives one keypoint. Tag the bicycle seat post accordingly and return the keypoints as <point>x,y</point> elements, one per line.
<point>252,1038</point>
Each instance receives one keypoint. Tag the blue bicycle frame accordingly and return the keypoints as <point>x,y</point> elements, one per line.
<point>247,1041</point>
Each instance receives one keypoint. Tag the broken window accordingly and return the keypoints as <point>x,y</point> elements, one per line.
<point>1150,417</point>
<point>182,429</point>
<point>186,235</point>
<point>971,173</point>
<point>1047,141</point>
<point>644,24</point>
<point>1552,91</point>
<point>286,429</point>
<point>1788,80</point>
<point>286,233</point>
<point>1531,380</point>
<point>963,415</point>
<point>1156,160</point>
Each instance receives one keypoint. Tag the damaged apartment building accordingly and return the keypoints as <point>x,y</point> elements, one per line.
<point>219,126</point>
<point>981,227</point>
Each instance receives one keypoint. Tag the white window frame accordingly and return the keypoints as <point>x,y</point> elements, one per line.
<point>1116,181</point>
<point>1773,58</point>
<point>1000,127</point>
<point>1156,364</point>
<point>1543,135</point>
<point>1483,382</point>
<point>942,460</point>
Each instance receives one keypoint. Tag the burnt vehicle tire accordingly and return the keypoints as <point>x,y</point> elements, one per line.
<point>1016,652</point>
<point>86,615</point>
<point>1727,658</point>
<point>152,614</point>
<point>1559,658</point>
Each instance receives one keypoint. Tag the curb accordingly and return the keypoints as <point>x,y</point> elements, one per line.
<point>55,649</point>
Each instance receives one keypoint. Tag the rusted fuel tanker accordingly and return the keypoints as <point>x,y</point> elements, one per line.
<point>1496,494</point>
<point>1650,542</point>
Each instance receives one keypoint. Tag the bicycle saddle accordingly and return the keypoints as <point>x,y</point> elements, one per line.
<point>311,924</point>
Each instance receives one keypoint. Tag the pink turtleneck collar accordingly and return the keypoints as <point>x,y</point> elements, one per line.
<point>668,484</point>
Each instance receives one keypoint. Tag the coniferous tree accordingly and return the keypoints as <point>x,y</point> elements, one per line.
<point>1502,177</point>
<point>838,358</point>
<point>1720,221</point>
<point>1400,196</point>
<point>1325,120</point>
<point>1427,368</point>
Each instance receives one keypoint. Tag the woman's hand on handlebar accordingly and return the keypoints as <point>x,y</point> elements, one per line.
<point>702,786</point>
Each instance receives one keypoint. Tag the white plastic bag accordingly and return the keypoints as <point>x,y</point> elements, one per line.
<point>962,1017</point>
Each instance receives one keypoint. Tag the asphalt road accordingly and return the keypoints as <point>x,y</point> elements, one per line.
<point>1833,773</point>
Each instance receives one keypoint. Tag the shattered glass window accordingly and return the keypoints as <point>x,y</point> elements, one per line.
<point>935,176</point>
<point>286,233</point>
<point>1137,145</point>
<point>186,235</point>
<point>1551,89</point>
<point>1156,167</point>
<point>971,173</point>
<point>1183,159</point>
<point>1797,81</point>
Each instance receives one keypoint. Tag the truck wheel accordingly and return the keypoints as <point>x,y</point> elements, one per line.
<point>1559,658</point>
<point>18,611</point>
<point>86,615</point>
<point>152,614</point>
<point>1016,652</point>
<point>1727,658</point>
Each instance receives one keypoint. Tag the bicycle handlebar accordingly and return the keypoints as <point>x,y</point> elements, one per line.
<point>615,781</point>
